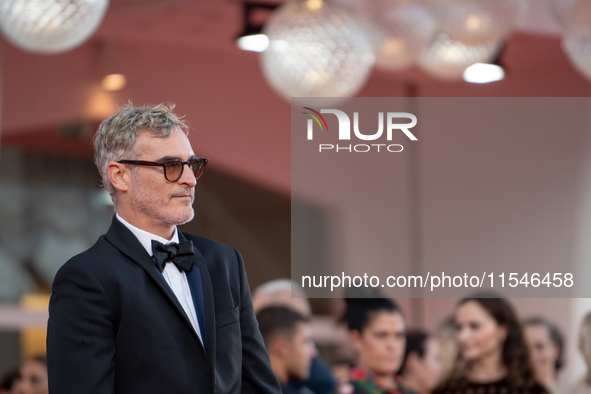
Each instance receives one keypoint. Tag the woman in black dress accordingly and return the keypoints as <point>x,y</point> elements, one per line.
<point>493,357</point>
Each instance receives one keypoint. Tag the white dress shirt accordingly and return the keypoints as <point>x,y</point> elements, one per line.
<point>176,279</point>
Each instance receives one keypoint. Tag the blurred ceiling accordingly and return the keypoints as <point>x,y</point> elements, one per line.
<point>194,23</point>
<point>206,23</point>
<point>183,51</point>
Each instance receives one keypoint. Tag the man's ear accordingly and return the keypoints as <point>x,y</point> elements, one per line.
<point>355,338</point>
<point>281,346</point>
<point>119,175</point>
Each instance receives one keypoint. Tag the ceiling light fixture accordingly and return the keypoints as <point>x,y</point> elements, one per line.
<point>251,38</point>
<point>492,71</point>
<point>114,82</point>
<point>484,73</point>
<point>253,42</point>
<point>50,26</point>
<point>316,49</point>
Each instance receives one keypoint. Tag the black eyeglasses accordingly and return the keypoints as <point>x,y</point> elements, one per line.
<point>173,169</point>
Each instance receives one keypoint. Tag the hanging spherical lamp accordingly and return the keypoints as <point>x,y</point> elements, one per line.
<point>50,26</point>
<point>562,9</point>
<point>576,39</point>
<point>578,51</point>
<point>316,49</point>
<point>476,22</point>
<point>447,59</point>
<point>401,30</point>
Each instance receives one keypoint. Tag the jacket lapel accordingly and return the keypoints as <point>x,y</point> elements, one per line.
<point>208,306</point>
<point>128,244</point>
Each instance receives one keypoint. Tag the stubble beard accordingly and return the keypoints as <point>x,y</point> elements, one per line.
<point>156,206</point>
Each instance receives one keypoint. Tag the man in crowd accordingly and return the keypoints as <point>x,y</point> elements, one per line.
<point>149,309</point>
<point>288,339</point>
<point>287,293</point>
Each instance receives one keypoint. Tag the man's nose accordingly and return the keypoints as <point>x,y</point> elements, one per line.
<point>392,343</point>
<point>187,177</point>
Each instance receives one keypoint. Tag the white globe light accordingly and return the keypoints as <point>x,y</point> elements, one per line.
<point>315,50</point>
<point>578,51</point>
<point>576,40</point>
<point>562,9</point>
<point>401,30</point>
<point>577,19</point>
<point>447,59</point>
<point>50,26</point>
<point>476,22</point>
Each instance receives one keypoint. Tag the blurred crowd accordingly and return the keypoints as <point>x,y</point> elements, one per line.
<point>28,378</point>
<point>483,347</point>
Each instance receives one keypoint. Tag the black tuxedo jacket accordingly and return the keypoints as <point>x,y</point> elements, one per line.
<point>115,326</point>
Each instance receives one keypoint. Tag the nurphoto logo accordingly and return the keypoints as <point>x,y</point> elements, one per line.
<point>391,119</point>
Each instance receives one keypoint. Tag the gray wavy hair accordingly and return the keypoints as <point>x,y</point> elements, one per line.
<point>117,134</point>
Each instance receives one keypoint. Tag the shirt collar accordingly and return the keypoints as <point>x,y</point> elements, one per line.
<point>145,237</point>
<point>358,374</point>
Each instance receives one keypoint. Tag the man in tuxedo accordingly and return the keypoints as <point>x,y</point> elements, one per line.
<point>149,309</point>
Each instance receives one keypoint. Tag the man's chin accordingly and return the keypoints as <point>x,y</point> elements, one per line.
<point>185,217</point>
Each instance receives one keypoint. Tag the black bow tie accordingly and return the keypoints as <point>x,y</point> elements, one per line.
<point>181,255</point>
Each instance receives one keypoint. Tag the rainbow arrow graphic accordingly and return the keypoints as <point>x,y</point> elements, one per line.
<point>315,117</point>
